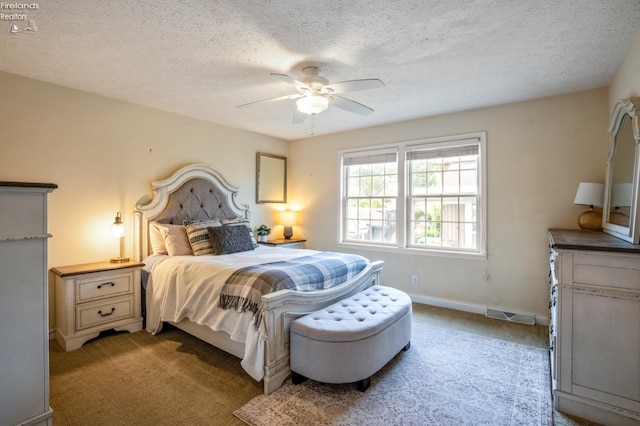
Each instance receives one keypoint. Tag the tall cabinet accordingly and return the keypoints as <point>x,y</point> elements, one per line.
<point>595,326</point>
<point>24,331</point>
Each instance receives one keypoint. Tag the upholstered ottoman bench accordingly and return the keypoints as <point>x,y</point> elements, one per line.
<point>352,339</point>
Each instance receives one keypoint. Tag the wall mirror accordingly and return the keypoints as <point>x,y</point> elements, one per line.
<point>271,178</point>
<point>620,215</point>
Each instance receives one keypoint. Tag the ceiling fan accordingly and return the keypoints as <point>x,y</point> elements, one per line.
<point>314,94</point>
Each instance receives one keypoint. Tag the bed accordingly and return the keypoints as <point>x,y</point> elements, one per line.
<point>260,339</point>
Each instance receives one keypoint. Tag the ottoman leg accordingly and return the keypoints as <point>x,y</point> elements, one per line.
<point>296,378</point>
<point>363,385</point>
<point>406,348</point>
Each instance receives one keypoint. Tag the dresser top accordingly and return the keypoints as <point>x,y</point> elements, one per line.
<point>574,239</point>
<point>29,185</point>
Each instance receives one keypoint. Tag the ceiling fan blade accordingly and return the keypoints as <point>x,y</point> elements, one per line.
<point>353,85</point>
<point>350,105</point>
<point>298,117</point>
<point>291,81</point>
<point>264,101</point>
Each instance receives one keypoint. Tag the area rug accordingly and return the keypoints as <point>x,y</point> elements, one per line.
<point>448,377</point>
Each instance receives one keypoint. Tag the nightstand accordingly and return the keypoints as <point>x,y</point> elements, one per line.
<point>94,297</point>
<point>292,243</point>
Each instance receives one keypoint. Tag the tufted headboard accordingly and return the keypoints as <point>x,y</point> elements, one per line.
<point>195,192</point>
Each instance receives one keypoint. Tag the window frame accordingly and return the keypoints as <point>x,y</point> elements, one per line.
<point>404,197</point>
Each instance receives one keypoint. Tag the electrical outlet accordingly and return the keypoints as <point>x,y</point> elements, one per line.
<point>414,280</point>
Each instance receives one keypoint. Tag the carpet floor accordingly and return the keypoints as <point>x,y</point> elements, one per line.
<point>448,377</point>
<point>175,379</point>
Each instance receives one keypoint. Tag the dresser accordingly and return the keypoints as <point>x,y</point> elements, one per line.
<point>595,326</point>
<point>24,306</point>
<point>95,297</point>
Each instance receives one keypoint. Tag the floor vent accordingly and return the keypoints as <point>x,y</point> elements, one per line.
<point>510,316</point>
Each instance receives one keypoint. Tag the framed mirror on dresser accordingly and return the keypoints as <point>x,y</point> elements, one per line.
<point>620,216</point>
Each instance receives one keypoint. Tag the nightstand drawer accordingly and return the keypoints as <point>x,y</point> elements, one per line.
<point>92,314</point>
<point>99,287</point>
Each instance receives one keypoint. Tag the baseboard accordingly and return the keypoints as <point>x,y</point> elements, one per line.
<point>466,307</point>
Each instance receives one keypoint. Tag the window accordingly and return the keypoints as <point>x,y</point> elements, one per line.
<point>422,195</point>
<point>371,185</point>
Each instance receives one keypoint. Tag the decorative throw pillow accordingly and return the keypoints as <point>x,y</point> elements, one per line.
<point>198,235</point>
<point>240,221</point>
<point>229,239</point>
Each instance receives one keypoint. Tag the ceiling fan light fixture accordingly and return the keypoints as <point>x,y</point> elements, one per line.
<point>313,104</point>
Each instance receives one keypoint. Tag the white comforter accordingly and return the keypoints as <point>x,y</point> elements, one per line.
<point>182,287</point>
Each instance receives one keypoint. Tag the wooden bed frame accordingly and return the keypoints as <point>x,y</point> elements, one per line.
<point>198,192</point>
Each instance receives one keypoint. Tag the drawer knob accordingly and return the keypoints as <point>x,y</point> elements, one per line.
<point>106,314</point>
<point>107,284</point>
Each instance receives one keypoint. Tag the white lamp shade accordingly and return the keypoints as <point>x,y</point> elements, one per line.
<point>288,218</point>
<point>313,104</point>
<point>590,194</point>
<point>621,194</point>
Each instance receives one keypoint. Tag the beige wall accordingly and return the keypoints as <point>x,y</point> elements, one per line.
<point>102,153</point>
<point>538,152</point>
<point>626,83</point>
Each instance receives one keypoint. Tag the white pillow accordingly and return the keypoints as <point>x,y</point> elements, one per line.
<point>175,239</point>
<point>156,239</point>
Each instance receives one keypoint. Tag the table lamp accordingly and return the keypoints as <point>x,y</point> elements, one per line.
<point>590,194</point>
<point>288,219</point>
<point>117,230</point>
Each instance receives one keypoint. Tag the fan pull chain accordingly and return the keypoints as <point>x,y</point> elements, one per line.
<point>313,122</point>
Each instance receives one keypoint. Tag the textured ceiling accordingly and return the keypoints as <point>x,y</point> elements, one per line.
<point>203,58</point>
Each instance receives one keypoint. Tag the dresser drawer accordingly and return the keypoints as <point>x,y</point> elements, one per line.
<point>22,213</point>
<point>100,287</point>
<point>96,313</point>
<point>609,271</point>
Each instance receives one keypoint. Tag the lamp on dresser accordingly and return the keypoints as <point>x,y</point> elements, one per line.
<point>590,194</point>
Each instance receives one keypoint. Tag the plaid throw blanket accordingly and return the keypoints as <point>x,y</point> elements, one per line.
<point>243,290</point>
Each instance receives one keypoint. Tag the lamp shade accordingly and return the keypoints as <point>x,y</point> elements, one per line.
<point>288,218</point>
<point>589,194</point>
<point>117,229</point>
<point>313,104</point>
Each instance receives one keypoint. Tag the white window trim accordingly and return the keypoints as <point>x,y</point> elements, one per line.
<point>401,226</point>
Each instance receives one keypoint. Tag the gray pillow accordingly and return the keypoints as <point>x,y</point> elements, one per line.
<point>229,239</point>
